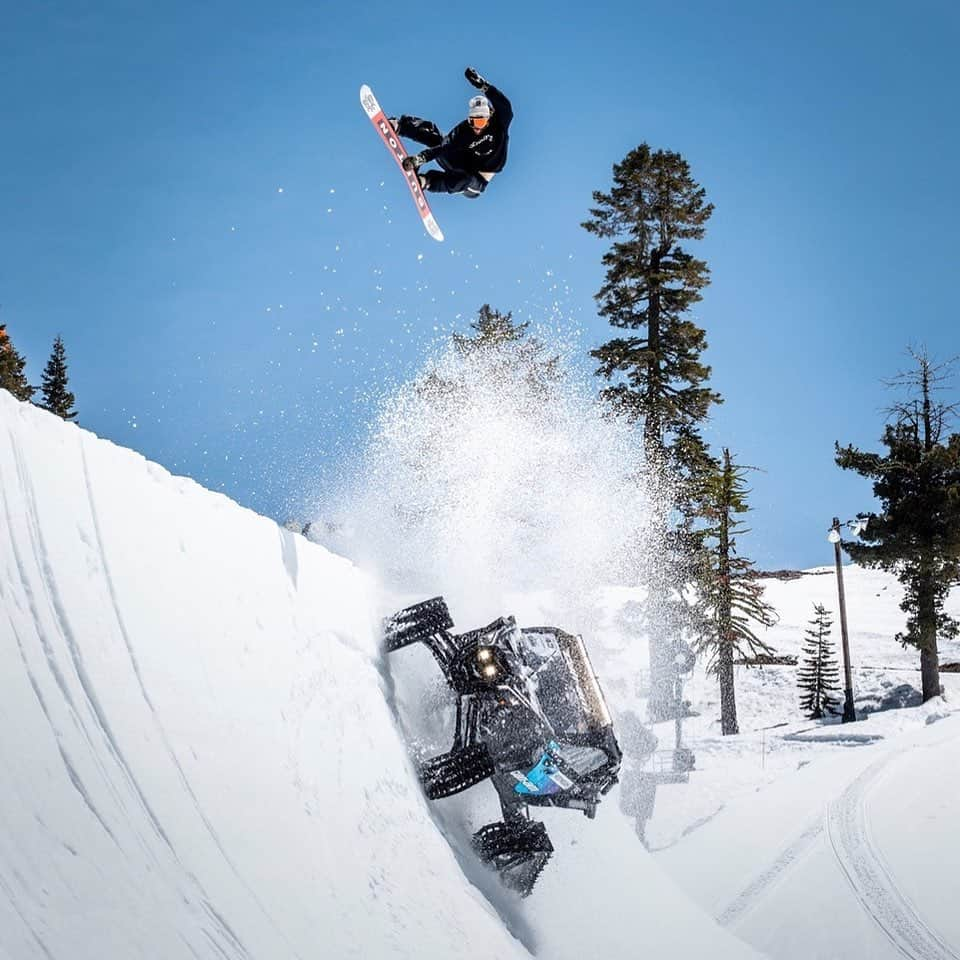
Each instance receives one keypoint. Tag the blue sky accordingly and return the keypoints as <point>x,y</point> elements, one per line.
<point>192,196</point>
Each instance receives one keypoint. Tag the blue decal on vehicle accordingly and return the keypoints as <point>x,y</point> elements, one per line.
<point>544,779</point>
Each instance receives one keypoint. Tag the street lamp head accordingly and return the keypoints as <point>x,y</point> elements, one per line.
<point>859,525</point>
<point>834,535</point>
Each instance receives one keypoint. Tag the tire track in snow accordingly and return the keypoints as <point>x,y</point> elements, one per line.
<point>62,623</point>
<point>760,886</point>
<point>28,927</point>
<point>231,946</point>
<point>57,674</point>
<point>168,747</point>
<point>849,834</point>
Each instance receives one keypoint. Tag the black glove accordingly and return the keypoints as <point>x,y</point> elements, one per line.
<point>413,161</point>
<point>474,78</point>
<point>395,123</point>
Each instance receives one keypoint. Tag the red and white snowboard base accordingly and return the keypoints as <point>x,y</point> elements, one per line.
<point>392,141</point>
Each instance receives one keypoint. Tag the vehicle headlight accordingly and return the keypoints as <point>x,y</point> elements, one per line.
<point>484,654</point>
<point>490,671</point>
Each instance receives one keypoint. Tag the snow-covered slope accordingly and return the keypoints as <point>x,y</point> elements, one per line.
<point>200,758</point>
<point>197,756</point>
<point>852,855</point>
<point>818,839</point>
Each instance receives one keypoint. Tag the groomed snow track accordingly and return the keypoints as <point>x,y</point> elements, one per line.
<point>851,839</point>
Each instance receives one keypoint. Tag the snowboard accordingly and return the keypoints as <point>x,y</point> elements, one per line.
<point>396,147</point>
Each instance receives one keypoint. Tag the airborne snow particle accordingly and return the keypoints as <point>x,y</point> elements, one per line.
<point>279,189</point>
<point>419,256</point>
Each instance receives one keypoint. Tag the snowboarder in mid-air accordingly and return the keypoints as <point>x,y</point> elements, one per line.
<point>471,153</point>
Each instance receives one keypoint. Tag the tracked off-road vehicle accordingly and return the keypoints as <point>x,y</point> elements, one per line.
<point>530,717</point>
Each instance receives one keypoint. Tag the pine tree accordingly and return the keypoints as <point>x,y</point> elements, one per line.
<point>917,533</point>
<point>497,332</point>
<point>819,673</point>
<point>651,283</point>
<point>12,363</point>
<point>497,357</point>
<point>655,374</point>
<point>732,598</point>
<point>56,397</point>
<point>504,348</point>
<point>491,328</point>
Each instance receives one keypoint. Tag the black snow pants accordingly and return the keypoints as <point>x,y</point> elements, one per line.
<point>449,179</point>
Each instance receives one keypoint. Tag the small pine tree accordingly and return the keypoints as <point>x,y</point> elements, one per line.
<point>504,348</point>
<point>732,597</point>
<point>56,397</point>
<point>819,674</point>
<point>11,368</point>
<point>496,331</point>
<point>491,328</point>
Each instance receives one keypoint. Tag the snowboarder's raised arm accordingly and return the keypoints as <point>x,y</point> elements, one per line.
<point>496,97</point>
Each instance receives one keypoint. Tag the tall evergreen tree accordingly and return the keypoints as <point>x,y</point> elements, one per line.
<point>917,533</point>
<point>12,377</point>
<point>56,397</point>
<point>732,597</point>
<point>657,376</point>
<point>655,373</point>
<point>819,673</point>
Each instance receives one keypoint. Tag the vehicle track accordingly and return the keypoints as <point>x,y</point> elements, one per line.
<point>762,885</point>
<point>850,837</point>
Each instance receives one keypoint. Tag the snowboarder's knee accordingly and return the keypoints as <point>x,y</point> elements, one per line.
<point>474,187</point>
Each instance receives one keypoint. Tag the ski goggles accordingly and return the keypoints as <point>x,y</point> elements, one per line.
<point>478,123</point>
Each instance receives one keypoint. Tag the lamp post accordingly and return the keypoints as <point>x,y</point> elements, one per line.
<point>857,526</point>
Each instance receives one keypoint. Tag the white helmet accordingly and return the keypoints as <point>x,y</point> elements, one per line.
<point>479,107</point>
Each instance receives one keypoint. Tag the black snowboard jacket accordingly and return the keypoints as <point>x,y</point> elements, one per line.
<point>462,148</point>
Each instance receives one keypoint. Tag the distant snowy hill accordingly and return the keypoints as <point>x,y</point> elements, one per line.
<point>200,758</point>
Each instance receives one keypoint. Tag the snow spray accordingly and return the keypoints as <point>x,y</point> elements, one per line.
<point>496,476</point>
